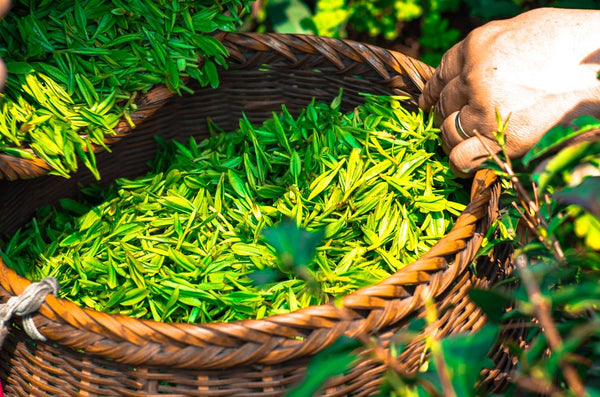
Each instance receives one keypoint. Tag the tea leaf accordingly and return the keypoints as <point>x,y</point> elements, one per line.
<point>558,136</point>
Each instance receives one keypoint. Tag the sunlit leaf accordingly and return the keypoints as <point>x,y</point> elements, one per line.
<point>558,136</point>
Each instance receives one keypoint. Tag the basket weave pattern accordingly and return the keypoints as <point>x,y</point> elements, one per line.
<point>93,353</point>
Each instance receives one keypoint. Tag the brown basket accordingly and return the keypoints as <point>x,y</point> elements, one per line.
<point>97,354</point>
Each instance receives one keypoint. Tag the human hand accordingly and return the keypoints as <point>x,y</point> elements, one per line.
<point>540,67</point>
<point>4,6</point>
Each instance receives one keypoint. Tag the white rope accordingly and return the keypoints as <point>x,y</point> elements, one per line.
<point>24,305</point>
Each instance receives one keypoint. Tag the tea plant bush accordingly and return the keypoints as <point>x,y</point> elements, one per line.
<point>557,261</point>
<point>552,219</point>
<point>553,224</point>
<point>435,24</point>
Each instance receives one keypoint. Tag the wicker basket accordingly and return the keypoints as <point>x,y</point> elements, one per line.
<point>97,354</point>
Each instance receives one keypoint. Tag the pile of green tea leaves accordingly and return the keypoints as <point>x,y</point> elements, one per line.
<point>76,66</point>
<point>369,190</point>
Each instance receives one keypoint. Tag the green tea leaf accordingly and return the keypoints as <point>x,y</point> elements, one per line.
<point>323,181</point>
<point>586,195</point>
<point>208,233</point>
<point>466,355</point>
<point>558,136</point>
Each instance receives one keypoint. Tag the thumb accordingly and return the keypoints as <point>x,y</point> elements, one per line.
<point>469,154</point>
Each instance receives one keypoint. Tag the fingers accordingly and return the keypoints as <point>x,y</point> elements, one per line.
<point>450,67</point>
<point>4,6</point>
<point>452,98</point>
<point>465,150</point>
<point>450,135</point>
<point>470,119</point>
<point>469,154</point>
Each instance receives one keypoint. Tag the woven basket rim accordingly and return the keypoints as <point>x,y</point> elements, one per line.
<point>347,318</point>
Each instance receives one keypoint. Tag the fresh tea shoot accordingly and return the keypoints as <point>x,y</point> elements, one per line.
<point>364,193</point>
<point>76,66</point>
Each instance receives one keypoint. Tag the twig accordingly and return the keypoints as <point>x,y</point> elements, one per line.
<point>537,386</point>
<point>524,216</point>
<point>436,351</point>
<point>526,201</point>
<point>557,247</point>
<point>508,169</point>
<point>542,312</point>
<point>442,368</point>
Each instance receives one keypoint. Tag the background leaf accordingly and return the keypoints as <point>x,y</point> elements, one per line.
<point>466,356</point>
<point>559,135</point>
<point>287,15</point>
<point>332,361</point>
<point>586,195</point>
<point>295,246</point>
<point>491,302</point>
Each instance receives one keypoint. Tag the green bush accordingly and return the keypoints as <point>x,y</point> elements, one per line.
<point>383,21</point>
<point>554,291</point>
<point>372,18</point>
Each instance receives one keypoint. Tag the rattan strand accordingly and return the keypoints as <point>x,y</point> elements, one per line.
<point>99,354</point>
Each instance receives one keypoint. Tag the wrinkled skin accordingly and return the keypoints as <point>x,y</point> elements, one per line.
<point>540,67</point>
<point>4,6</point>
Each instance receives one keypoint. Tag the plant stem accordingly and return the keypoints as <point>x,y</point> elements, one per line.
<point>538,386</point>
<point>436,350</point>
<point>542,311</point>
<point>541,307</point>
<point>536,221</point>
<point>442,368</point>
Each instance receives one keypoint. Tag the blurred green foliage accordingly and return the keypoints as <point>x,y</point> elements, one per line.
<point>496,9</point>
<point>376,18</point>
<point>436,24</point>
<point>367,18</point>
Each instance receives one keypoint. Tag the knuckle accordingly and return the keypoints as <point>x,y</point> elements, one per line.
<point>480,38</point>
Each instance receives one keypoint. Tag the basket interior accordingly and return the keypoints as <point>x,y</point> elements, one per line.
<point>254,91</point>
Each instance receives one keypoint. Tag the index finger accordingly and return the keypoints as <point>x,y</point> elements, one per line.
<point>450,67</point>
<point>469,154</point>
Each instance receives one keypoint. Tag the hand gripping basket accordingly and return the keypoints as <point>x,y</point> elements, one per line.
<point>96,354</point>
